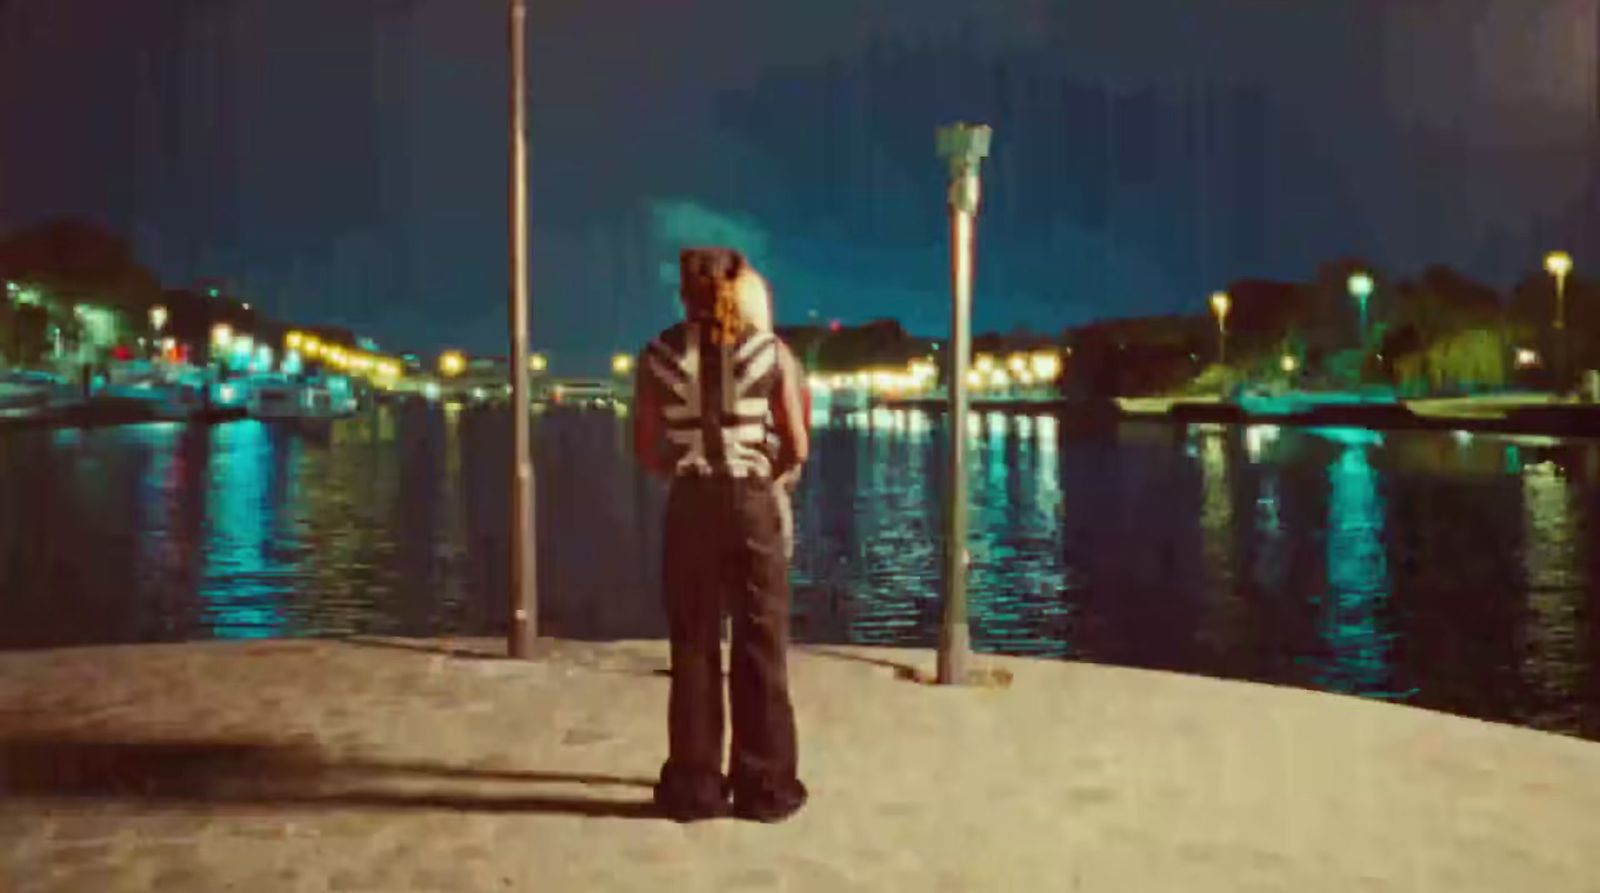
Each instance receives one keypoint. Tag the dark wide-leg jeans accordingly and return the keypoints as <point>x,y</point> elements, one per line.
<point>724,551</point>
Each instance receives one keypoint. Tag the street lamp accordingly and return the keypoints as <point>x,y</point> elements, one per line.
<point>158,318</point>
<point>537,363</point>
<point>963,146</point>
<point>621,364</point>
<point>1220,304</point>
<point>523,607</point>
<point>222,334</point>
<point>1559,264</point>
<point>1360,285</point>
<point>452,363</point>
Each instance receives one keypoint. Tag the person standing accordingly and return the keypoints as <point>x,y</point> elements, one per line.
<point>706,389</point>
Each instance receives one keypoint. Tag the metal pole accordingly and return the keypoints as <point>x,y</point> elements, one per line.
<point>1561,331</point>
<point>524,594</point>
<point>964,146</point>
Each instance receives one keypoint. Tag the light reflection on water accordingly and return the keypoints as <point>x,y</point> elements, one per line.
<point>1457,573</point>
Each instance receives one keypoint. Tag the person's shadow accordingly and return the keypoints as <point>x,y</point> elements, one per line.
<point>208,773</point>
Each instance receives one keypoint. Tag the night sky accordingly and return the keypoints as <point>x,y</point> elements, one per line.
<point>344,160</point>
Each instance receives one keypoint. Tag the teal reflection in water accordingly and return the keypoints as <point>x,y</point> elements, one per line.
<point>1553,556</point>
<point>1358,577</point>
<point>1015,578</point>
<point>240,589</point>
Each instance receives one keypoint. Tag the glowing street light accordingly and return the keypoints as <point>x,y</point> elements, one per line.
<point>1289,363</point>
<point>621,364</point>
<point>1360,285</point>
<point>222,334</point>
<point>158,318</point>
<point>452,363</point>
<point>1559,264</point>
<point>537,362</point>
<point>1220,305</point>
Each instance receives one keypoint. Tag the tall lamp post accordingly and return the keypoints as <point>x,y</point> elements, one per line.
<point>1220,303</point>
<point>1559,264</point>
<point>1360,285</point>
<point>964,146</point>
<point>524,595</point>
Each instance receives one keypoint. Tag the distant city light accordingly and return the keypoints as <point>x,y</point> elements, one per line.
<point>621,364</point>
<point>431,391</point>
<point>212,292</point>
<point>1289,363</point>
<point>221,334</point>
<point>537,362</point>
<point>452,362</point>
<point>158,317</point>
<point>1360,285</point>
<point>1527,358</point>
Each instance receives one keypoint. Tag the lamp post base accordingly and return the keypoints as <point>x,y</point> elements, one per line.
<point>955,651</point>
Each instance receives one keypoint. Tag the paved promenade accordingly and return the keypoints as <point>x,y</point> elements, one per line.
<point>390,766</point>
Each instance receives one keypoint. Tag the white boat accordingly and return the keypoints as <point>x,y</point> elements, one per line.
<point>279,398</point>
<point>173,393</point>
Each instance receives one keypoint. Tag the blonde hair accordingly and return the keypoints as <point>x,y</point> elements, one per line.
<point>755,299</point>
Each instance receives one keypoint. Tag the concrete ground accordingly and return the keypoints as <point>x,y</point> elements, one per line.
<point>391,765</point>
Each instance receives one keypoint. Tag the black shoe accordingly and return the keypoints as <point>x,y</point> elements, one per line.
<point>770,808</point>
<point>694,800</point>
